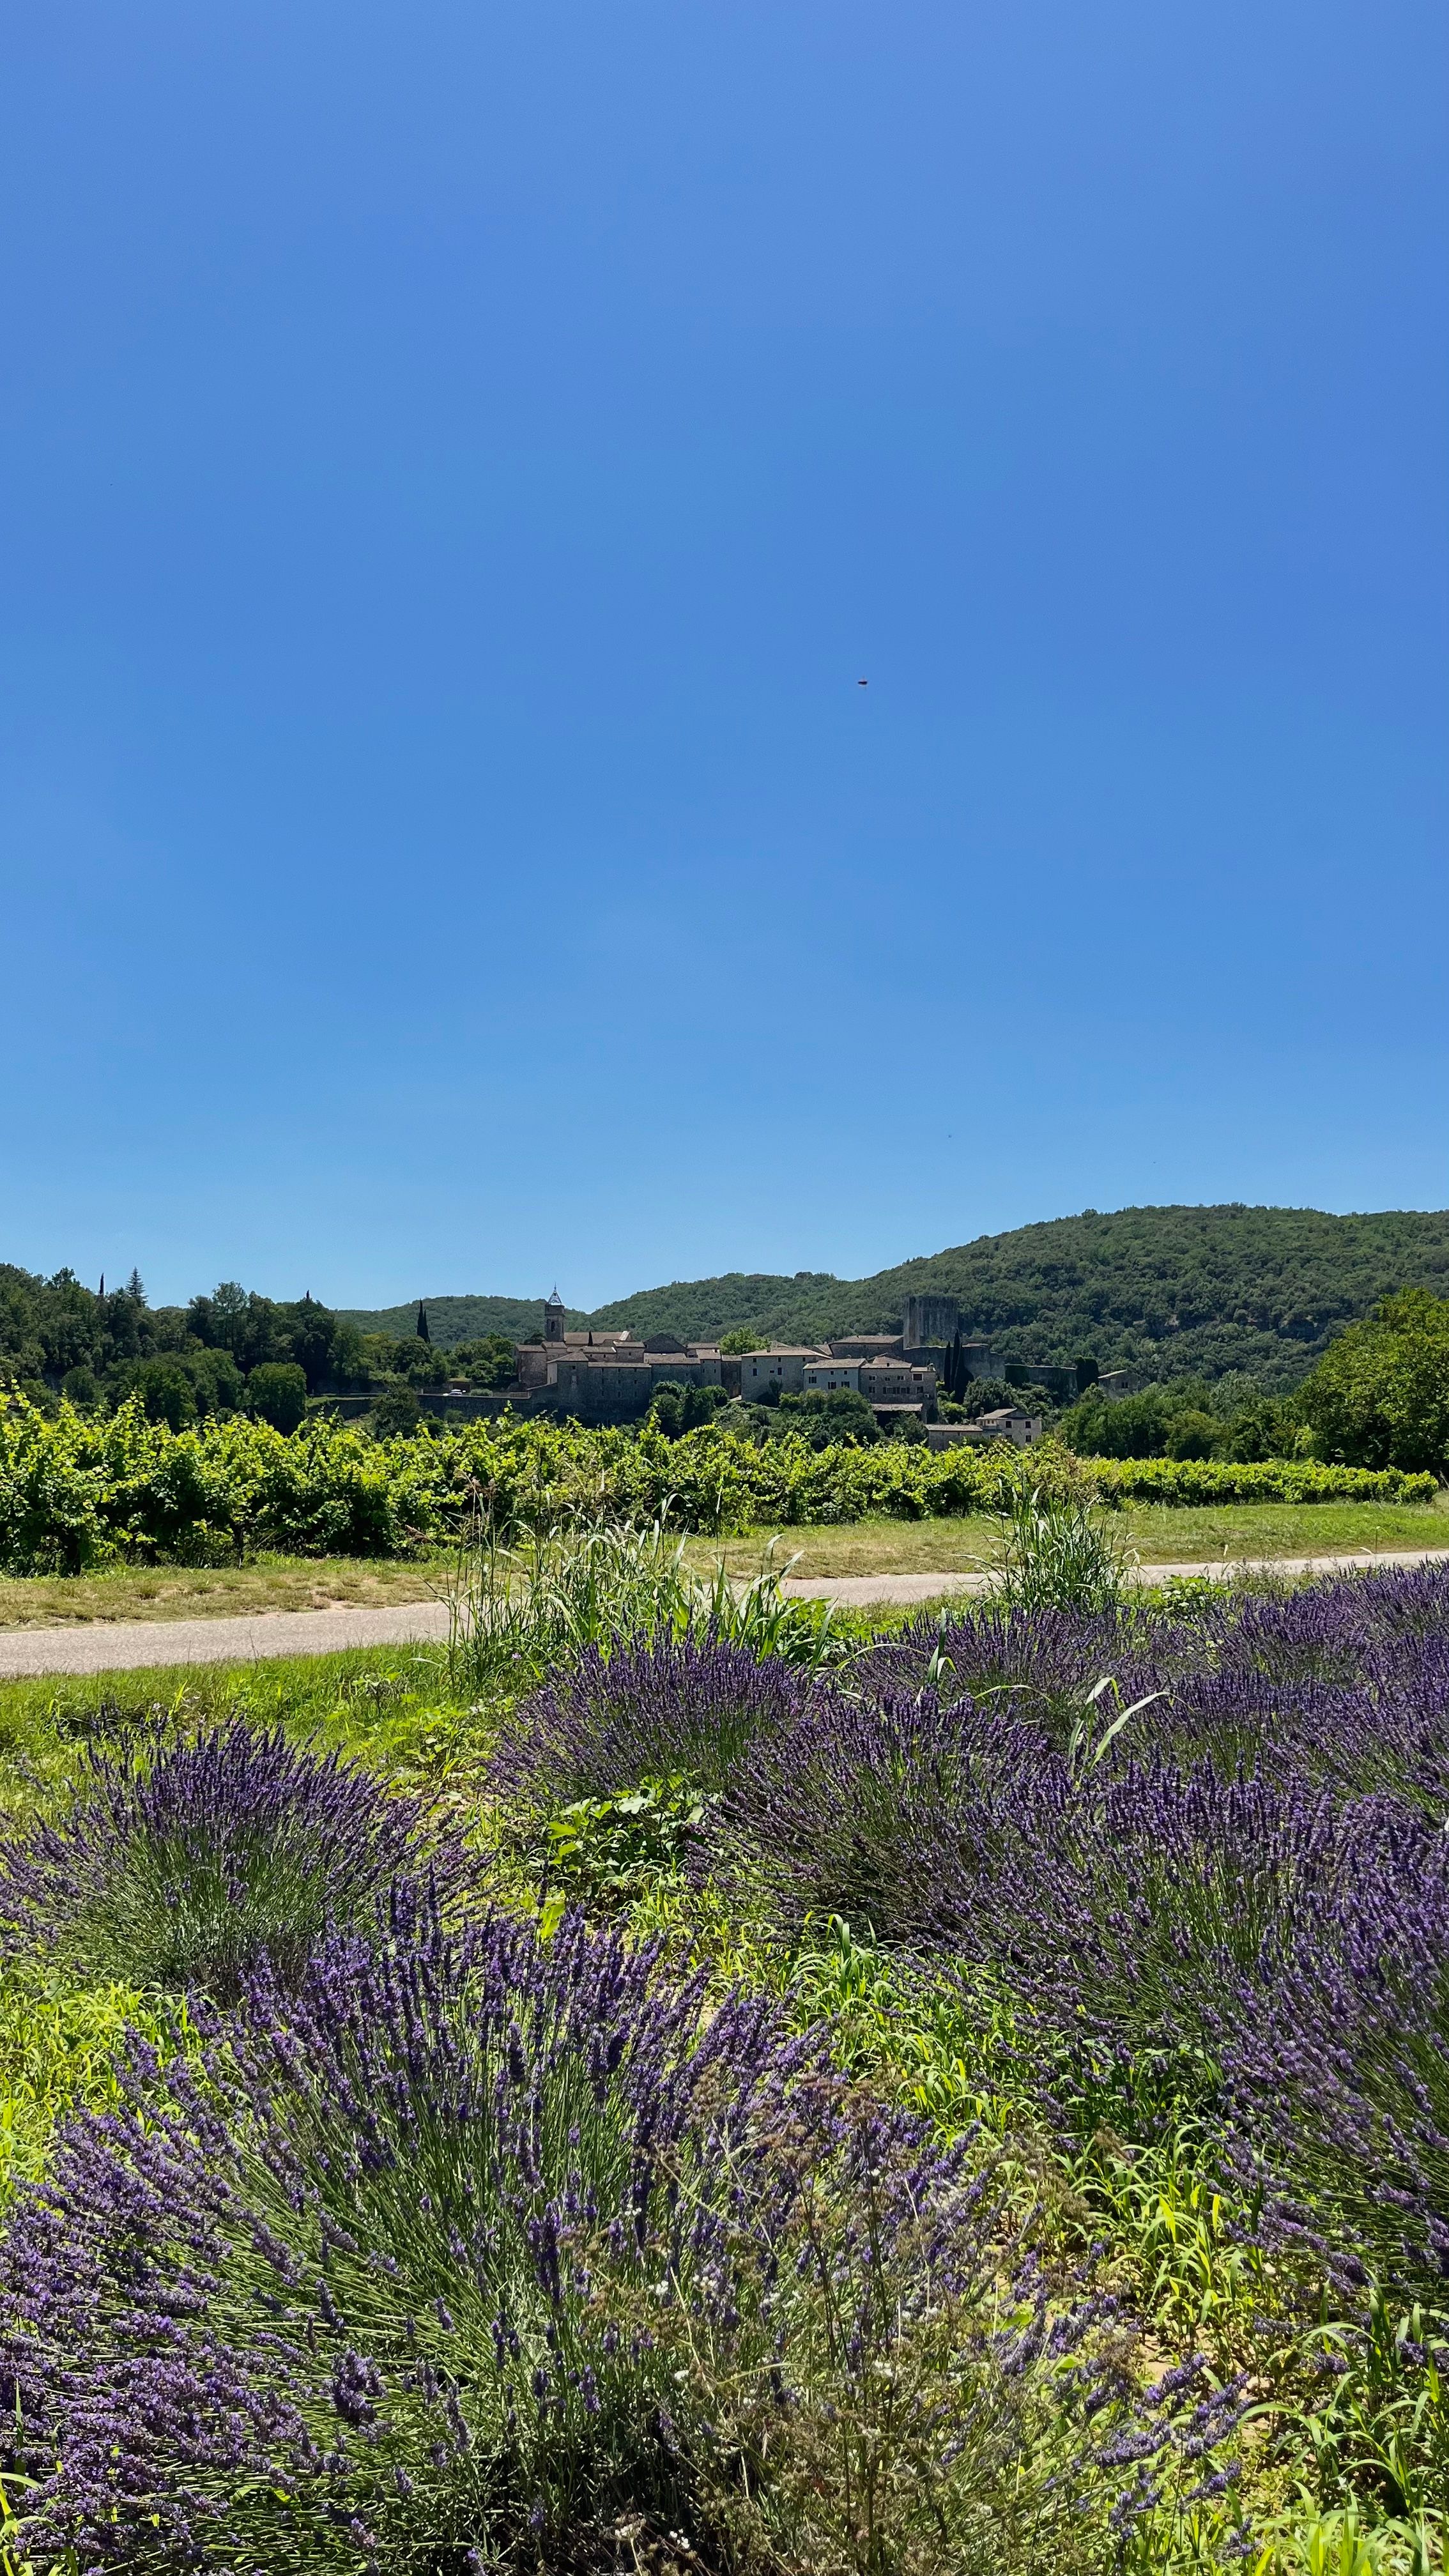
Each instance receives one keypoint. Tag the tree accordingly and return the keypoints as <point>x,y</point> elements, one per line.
<point>1194,1435</point>
<point>677,1409</point>
<point>397,1412</point>
<point>310,1333</point>
<point>824,1417</point>
<point>987,1395</point>
<point>217,1320</point>
<point>1379,1397</point>
<point>491,1362</point>
<point>216,1379</point>
<point>740,1343</point>
<point>166,1391</point>
<point>277,1393</point>
<point>422,1325</point>
<point>347,1366</point>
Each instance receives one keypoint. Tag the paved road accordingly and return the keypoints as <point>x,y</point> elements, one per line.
<point>861,1591</point>
<point>116,1646</point>
<point>132,1646</point>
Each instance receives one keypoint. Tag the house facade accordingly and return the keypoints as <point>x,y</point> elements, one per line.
<point>607,1377</point>
<point>777,1371</point>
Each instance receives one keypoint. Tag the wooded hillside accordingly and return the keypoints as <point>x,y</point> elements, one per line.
<point>1169,1290</point>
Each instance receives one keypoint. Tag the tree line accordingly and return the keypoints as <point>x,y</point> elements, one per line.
<point>1379,1396</point>
<point>234,1351</point>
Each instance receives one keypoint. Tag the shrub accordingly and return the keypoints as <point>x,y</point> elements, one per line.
<point>185,1864</point>
<point>1270,1480</point>
<point>1228,1893</point>
<point>672,1709</point>
<point>493,2255</point>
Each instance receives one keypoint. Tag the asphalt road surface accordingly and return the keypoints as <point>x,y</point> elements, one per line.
<point>136,1645</point>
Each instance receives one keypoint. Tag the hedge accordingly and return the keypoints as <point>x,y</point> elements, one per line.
<point>76,1491</point>
<point>1274,1480</point>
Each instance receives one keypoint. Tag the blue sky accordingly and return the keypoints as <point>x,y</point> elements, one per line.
<point>456,465</point>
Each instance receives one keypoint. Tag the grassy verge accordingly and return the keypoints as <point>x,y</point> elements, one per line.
<point>390,1705</point>
<point>217,1592</point>
<point>1160,1536</point>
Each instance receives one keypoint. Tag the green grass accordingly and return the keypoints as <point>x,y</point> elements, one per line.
<point>1203,1534</point>
<point>390,1705</point>
<point>1247,1530</point>
<point>58,2049</point>
<point>219,1592</point>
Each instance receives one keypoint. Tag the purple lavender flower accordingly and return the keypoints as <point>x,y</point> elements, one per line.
<point>1347,1681</point>
<point>354,2276</point>
<point>1241,1908</point>
<point>181,1866</point>
<point>662,1711</point>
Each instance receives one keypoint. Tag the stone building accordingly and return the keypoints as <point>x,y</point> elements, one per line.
<point>1009,1422</point>
<point>613,1377</point>
<point>781,1368</point>
<point>929,1331</point>
<point>607,1377</point>
<point>930,1322</point>
<point>892,1384</point>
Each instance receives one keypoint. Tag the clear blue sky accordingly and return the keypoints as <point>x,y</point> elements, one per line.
<point>456,464</point>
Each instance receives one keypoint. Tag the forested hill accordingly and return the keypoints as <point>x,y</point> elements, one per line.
<point>1169,1290</point>
<point>457,1319</point>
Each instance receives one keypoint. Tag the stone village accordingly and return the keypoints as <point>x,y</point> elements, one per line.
<point>599,1377</point>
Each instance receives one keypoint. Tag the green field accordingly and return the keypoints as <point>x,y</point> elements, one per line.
<point>218,1592</point>
<point>390,1705</point>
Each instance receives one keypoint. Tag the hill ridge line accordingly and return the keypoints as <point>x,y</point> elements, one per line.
<point>1169,1290</point>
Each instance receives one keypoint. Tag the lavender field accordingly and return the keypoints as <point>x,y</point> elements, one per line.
<point>732,2095</point>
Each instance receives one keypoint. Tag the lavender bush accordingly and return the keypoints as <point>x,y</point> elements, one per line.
<point>1347,1682</point>
<point>657,1711</point>
<point>481,2254</point>
<point>184,1863</point>
<point>1234,1903</point>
